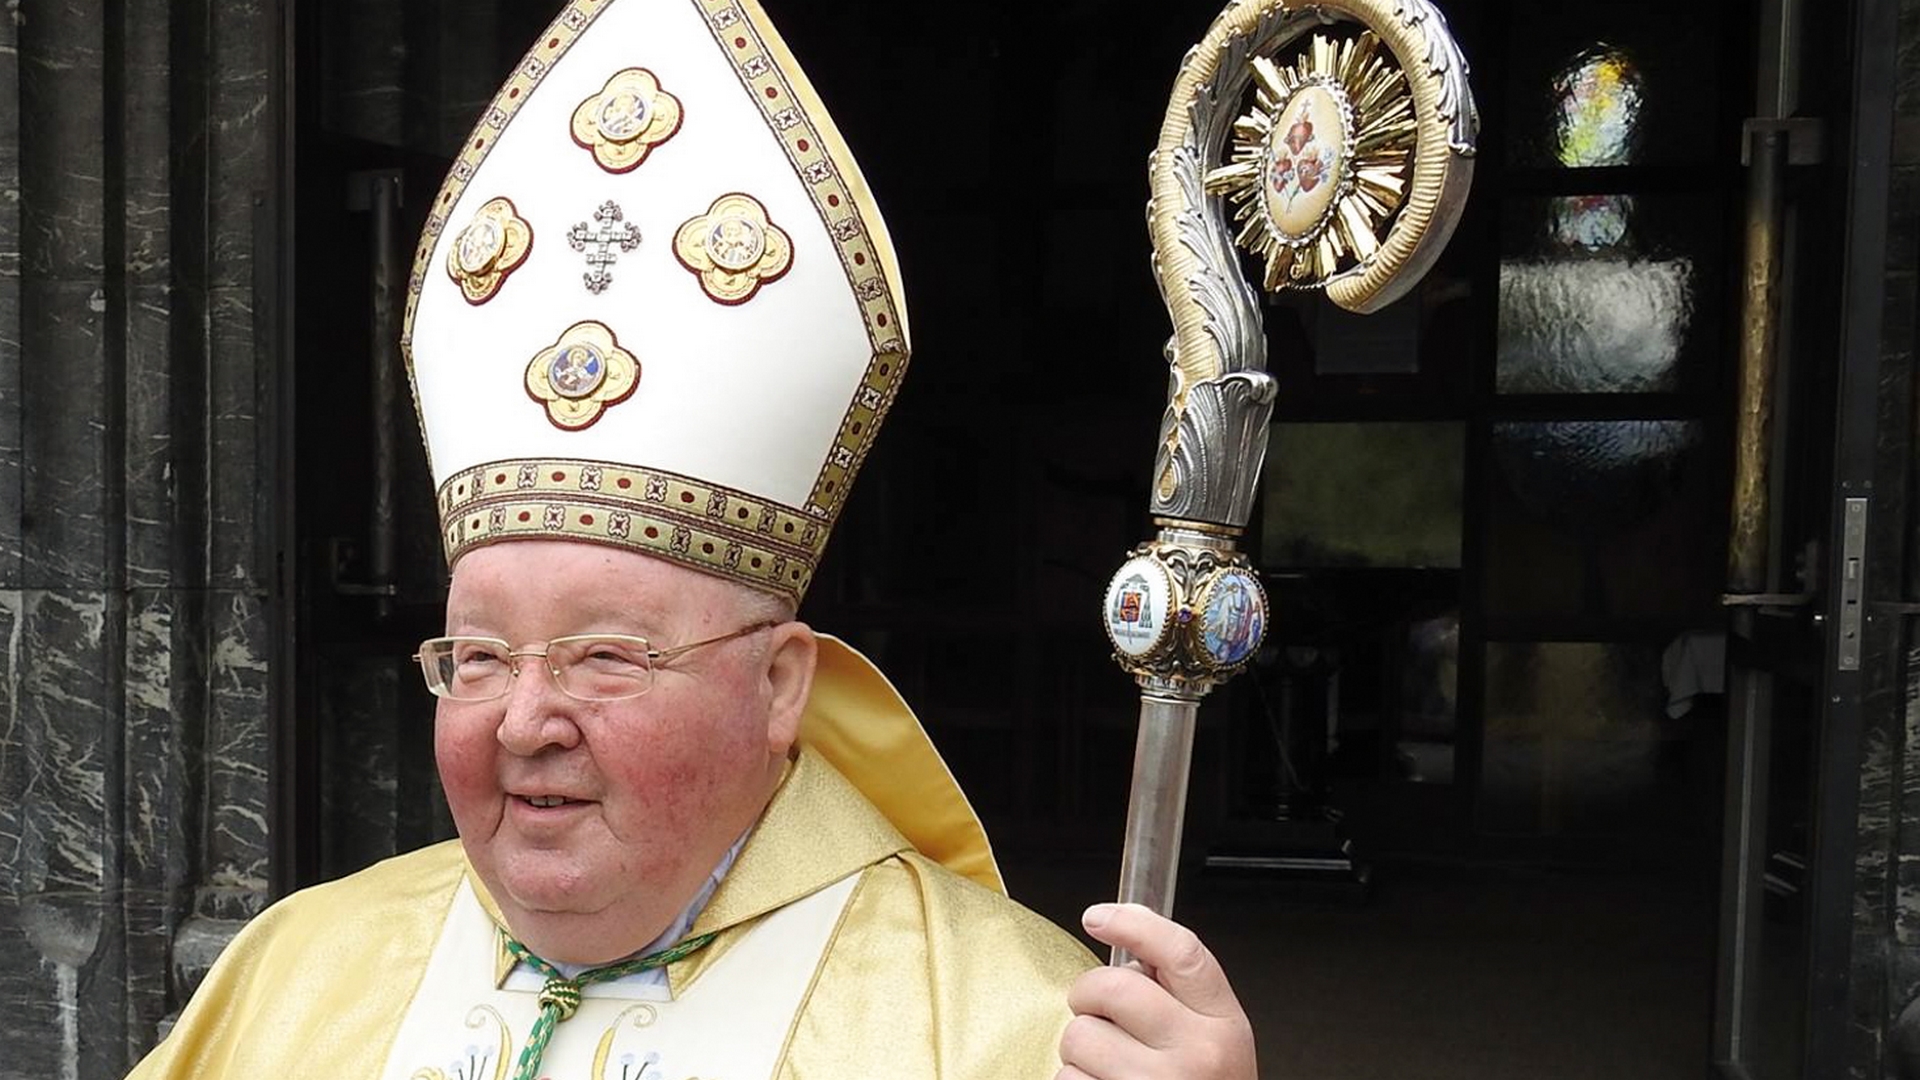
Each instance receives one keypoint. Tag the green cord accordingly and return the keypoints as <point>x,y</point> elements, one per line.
<point>560,997</point>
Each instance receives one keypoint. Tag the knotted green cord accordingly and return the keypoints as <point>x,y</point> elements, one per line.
<point>560,997</point>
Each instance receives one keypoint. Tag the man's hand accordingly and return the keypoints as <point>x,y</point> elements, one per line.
<point>1169,1016</point>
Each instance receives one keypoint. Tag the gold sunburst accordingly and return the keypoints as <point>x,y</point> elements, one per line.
<point>1320,164</point>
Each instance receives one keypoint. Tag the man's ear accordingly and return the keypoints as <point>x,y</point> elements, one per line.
<point>791,657</point>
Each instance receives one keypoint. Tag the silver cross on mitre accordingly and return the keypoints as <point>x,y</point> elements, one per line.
<point>611,229</point>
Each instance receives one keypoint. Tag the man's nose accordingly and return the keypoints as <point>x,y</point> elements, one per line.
<point>538,713</point>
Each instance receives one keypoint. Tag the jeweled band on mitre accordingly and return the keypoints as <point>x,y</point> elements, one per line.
<point>732,534</point>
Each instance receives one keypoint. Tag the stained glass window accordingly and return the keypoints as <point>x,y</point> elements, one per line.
<point>1621,83</point>
<point>1591,222</point>
<point>1597,118</point>
<point>1589,310</point>
<point>1596,122</point>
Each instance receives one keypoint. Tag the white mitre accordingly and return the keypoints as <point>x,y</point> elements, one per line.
<point>655,306</point>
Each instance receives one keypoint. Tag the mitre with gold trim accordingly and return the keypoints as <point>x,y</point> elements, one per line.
<point>654,305</point>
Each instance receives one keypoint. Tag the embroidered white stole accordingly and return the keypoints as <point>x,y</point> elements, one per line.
<point>731,1024</point>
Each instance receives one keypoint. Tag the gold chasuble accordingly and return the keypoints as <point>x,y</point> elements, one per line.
<point>841,951</point>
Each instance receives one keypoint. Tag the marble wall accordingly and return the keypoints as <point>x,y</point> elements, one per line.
<point>134,538</point>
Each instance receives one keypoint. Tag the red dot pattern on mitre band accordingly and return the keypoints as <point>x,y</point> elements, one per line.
<point>757,542</point>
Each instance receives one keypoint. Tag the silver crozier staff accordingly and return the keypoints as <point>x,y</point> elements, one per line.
<point>1347,172</point>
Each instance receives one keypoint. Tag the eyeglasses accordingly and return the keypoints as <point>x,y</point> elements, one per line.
<point>589,667</point>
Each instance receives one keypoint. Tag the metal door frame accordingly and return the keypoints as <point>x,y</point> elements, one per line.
<point>1864,134</point>
<point>1869,143</point>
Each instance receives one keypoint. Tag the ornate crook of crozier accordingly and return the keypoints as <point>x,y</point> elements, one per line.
<point>1352,129</point>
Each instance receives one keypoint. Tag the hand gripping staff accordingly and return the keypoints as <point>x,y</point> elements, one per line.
<point>1352,133</point>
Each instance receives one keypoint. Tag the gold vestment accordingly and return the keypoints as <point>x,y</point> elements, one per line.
<point>927,974</point>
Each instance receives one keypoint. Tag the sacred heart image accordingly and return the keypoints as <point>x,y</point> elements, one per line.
<point>1301,168</point>
<point>1306,154</point>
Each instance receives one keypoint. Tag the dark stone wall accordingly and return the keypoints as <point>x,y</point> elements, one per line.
<point>134,146</point>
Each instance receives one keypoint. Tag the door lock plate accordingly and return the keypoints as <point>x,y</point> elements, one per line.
<point>1853,575</point>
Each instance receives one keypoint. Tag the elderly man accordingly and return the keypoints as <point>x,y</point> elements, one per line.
<point>653,327</point>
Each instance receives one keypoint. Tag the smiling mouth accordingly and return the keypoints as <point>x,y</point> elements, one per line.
<point>546,802</point>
